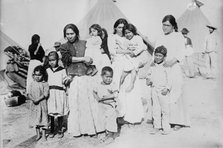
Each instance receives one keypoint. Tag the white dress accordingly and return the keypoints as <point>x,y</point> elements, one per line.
<point>58,101</point>
<point>93,50</point>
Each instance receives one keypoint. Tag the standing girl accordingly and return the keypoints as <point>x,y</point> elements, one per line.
<point>38,93</point>
<point>57,102</point>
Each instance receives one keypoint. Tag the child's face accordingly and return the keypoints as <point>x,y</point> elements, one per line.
<point>53,61</point>
<point>128,34</point>
<point>107,78</point>
<point>94,32</point>
<point>159,58</point>
<point>38,76</point>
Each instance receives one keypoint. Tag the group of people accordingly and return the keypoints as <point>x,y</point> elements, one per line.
<point>97,87</point>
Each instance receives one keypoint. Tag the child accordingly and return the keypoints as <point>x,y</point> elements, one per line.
<point>159,82</point>
<point>134,44</point>
<point>94,49</point>
<point>106,93</point>
<point>38,93</point>
<point>57,102</point>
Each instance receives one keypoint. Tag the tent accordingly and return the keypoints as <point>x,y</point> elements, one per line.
<point>195,21</point>
<point>104,13</point>
<point>5,42</point>
<point>15,79</point>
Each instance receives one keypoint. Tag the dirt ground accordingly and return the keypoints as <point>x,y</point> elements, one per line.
<point>206,130</point>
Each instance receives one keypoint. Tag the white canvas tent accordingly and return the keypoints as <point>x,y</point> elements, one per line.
<point>104,13</point>
<point>195,21</point>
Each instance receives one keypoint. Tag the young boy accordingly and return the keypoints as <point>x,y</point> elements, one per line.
<point>159,82</point>
<point>106,93</point>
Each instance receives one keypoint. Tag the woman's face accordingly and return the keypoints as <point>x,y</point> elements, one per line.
<point>70,35</point>
<point>167,28</point>
<point>119,29</point>
<point>128,34</point>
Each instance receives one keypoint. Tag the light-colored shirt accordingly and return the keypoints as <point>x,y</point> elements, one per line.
<point>211,42</point>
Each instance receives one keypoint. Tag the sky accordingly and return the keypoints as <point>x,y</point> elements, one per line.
<point>20,19</point>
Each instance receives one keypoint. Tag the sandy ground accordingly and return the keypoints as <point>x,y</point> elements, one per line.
<point>206,130</point>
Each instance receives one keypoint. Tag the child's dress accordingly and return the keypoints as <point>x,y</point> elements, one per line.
<point>39,112</point>
<point>107,112</point>
<point>57,102</point>
<point>137,46</point>
<point>94,51</point>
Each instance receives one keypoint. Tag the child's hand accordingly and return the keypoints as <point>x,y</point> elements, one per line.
<point>165,91</point>
<point>88,60</point>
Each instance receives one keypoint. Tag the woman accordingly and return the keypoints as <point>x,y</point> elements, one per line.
<point>82,118</point>
<point>36,53</point>
<point>133,104</point>
<point>174,42</point>
<point>115,42</point>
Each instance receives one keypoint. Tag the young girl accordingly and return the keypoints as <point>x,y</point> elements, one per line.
<point>159,81</point>
<point>38,93</point>
<point>106,93</point>
<point>94,49</point>
<point>57,102</point>
<point>134,44</point>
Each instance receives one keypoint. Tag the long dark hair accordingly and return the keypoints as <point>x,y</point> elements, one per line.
<point>96,27</point>
<point>74,28</point>
<point>131,28</point>
<point>42,70</point>
<point>119,21</point>
<point>104,44</point>
<point>172,21</point>
<point>35,39</point>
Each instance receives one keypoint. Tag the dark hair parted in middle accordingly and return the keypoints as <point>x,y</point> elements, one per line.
<point>72,27</point>
<point>119,21</point>
<point>172,21</point>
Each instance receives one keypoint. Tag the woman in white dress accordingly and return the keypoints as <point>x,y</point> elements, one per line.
<point>174,42</point>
